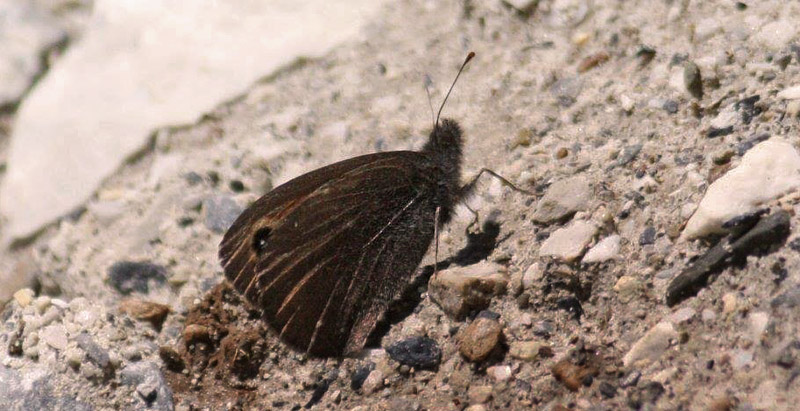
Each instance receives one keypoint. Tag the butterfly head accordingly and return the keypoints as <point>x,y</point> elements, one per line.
<point>445,141</point>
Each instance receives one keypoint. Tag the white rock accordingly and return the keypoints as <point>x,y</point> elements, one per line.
<point>768,171</point>
<point>533,274</point>
<point>776,34</point>
<point>682,315</point>
<point>500,373</point>
<point>652,345</point>
<point>374,382</point>
<point>606,249</point>
<point>137,68</point>
<point>55,336</point>
<point>741,359</point>
<point>791,93</point>
<point>726,117</point>
<point>757,323</point>
<point>568,243</point>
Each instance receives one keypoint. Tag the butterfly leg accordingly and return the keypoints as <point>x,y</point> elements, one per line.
<point>436,240</point>
<point>466,189</point>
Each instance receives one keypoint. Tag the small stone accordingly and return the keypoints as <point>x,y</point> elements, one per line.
<point>648,236</point>
<point>708,315</point>
<point>526,350</point>
<point>194,333</point>
<point>418,352</point>
<point>741,359</point>
<point>220,212</point>
<point>793,109</point>
<point>24,297</point>
<point>360,375</point>
<point>476,407</point>
<point>767,171</point>
<point>573,375</point>
<point>791,93</point>
<point>568,243</point>
<point>374,382</point>
<point>757,323</point>
<point>97,355</point>
<point>605,249</point>
<point>561,153</point>
<point>652,345</point>
<point>480,338</point>
<point>563,199</point>
<point>479,394</point>
<point>533,274</point>
<point>55,336</point>
<point>683,315</point>
<point>627,287</point>
<point>461,290</point>
<point>500,373</point>
<point>42,304</point>
<point>730,301</point>
<point>593,61</point>
<point>172,358</point>
<point>74,358</point>
<point>523,6</point>
<point>142,310</point>
<point>150,384</point>
<point>131,276</point>
<point>670,106</point>
<point>692,80</point>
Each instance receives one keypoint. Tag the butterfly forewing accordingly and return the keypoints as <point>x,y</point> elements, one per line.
<point>322,258</point>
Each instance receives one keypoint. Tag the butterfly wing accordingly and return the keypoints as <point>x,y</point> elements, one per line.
<point>324,254</point>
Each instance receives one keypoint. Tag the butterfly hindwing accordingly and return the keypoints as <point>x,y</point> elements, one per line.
<point>323,259</point>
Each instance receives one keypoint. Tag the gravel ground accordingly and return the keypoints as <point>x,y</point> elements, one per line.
<point>618,116</point>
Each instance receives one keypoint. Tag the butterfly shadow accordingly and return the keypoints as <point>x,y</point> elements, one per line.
<point>480,245</point>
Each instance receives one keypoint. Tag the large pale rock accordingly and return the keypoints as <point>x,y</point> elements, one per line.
<point>768,171</point>
<point>563,198</point>
<point>461,290</point>
<point>568,243</point>
<point>143,65</point>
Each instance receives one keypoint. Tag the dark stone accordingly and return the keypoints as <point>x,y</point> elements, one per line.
<point>360,375</point>
<point>607,390</point>
<point>236,186</point>
<point>319,391</point>
<point>693,80</point>
<point>787,355</point>
<point>132,276</point>
<point>96,354</point>
<point>220,213</point>
<point>567,90</point>
<point>768,232</point>
<point>172,359</point>
<point>670,106</point>
<point>193,178</point>
<point>150,384</point>
<point>488,314</point>
<point>648,394</point>
<point>543,329</point>
<point>628,154</point>
<point>745,146</point>
<point>418,352</point>
<point>648,236</point>
<point>646,55</point>
<point>719,132</point>
<point>795,244</point>
<point>748,108</point>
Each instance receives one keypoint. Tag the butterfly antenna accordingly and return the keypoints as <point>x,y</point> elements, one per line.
<point>469,57</point>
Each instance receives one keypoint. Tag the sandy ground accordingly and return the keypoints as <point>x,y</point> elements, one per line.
<point>593,90</point>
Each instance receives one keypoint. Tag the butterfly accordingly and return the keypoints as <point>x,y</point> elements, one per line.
<point>324,254</point>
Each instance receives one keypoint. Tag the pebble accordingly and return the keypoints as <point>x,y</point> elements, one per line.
<point>220,212</point>
<point>418,352</point>
<point>131,276</point>
<point>708,315</point>
<point>461,290</point>
<point>568,243</point>
<point>24,297</point>
<point>741,359</point>
<point>55,336</point>
<point>97,355</point>
<point>692,80</point>
<point>730,301</point>
<point>627,287</point>
<point>373,382</point>
<point>476,407</point>
<point>757,324</point>
<point>793,109</point>
<point>148,311</point>
<point>500,373</point>
<point>479,394</point>
<point>563,199</point>
<point>526,350</point>
<point>767,171</point>
<point>652,345</point>
<point>791,93</point>
<point>480,338</point>
<point>605,249</point>
<point>151,386</point>
<point>682,315</point>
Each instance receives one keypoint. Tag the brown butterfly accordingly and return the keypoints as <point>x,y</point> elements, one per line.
<point>324,254</point>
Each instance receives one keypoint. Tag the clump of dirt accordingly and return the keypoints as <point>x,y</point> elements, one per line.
<point>223,346</point>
